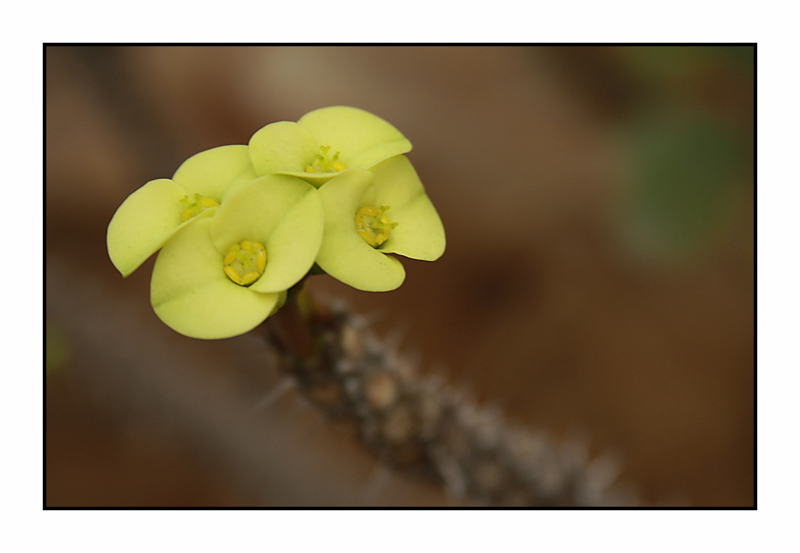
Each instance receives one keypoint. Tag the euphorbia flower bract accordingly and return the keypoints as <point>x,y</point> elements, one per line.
<point>191,292</point>
<point>150,216</point>
<point>239,226</point>
<point>324,143</point>
<point>391,187</point>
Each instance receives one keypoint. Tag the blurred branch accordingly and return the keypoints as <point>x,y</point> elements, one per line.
<point>421,426</point>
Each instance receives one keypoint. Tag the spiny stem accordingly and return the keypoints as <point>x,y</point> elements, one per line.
<point>418,425</point>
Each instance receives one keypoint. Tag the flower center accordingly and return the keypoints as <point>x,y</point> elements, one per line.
<point>373,225</point>
<point>194,208</point>
<point>245,262</point>
<point>325,165</point>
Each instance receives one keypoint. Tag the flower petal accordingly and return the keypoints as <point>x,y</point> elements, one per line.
<point>344,254</point>
<point>419,233</point>
<point>283,213</point>
<point>216,173</point>
<point>191,294</point>
<point>144,221</point>
<point>363,139</point>
<point>396,183</point>
<point>282,147</point>
<point>293,246</point>
<point>316,179</point>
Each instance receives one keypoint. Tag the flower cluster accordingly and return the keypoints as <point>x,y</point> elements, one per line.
<point>238,226</point>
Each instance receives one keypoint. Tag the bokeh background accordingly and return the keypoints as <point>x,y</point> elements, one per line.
<point>598,279</point>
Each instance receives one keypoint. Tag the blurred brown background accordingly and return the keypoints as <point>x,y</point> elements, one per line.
<point>598,278</point>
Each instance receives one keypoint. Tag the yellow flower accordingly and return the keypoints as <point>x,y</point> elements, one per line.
<point>369,214</point>
<point>224,275</point>
<point>149,217</point>
<point>325,142</point>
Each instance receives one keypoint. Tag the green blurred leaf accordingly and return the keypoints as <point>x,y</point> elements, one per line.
<point>684,174</point>
<point>665,63</point>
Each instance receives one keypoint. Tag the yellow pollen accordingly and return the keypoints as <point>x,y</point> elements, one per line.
<point>373,225</point>
<point>233,275</point>
<point>194,208</point>
<point>323,164</point>
<point>250,278</point>
<point>245,262</point>
<point>261,261</point>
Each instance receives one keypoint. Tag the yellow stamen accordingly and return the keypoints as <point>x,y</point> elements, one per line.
<point>373,225</point>
<point>261,260</point>
<point>323,164</point>
<point>196,207</point>
<point>242,258</point>
<point>250,278</point>
<point>233,275</point>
